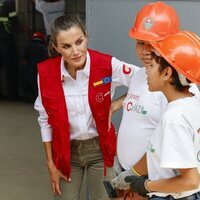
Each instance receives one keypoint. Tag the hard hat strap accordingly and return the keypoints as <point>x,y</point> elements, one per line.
<point>183,80</point>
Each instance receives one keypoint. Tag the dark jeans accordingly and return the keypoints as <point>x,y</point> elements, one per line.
<point>195,196</point>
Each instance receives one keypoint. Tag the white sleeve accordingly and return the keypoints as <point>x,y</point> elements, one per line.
<point>45,128</point>
<point>177,150</point>
<point>122,72</point>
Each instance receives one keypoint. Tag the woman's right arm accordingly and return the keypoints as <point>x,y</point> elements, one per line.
<point>46,133</point>
<point>55,174</point>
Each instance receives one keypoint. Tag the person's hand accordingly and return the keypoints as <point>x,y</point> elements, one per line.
<point>138,184</point>
<point>119,182</point>
<point>117,167</point>
<point>55,177</point>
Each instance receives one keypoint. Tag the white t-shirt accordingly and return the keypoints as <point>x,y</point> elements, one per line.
<point>50,11</point>
<point>82,124</point>
<point>142,110</point>
<point>175,143</point>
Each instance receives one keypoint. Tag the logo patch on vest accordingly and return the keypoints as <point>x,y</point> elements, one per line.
<point>101,96</point>
<point>107,79</point>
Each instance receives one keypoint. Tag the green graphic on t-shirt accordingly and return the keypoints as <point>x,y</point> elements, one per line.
<point>139,109</point>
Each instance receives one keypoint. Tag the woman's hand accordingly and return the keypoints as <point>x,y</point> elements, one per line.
<point>55,177</point>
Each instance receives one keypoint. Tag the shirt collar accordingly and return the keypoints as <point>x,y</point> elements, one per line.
<point>85,70</point>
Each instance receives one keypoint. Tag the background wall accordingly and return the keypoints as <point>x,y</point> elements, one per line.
<point>108,22</point>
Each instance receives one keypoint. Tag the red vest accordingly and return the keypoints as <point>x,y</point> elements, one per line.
<point>99,100</point>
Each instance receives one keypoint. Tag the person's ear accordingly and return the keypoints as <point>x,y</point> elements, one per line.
<point>167,73</point>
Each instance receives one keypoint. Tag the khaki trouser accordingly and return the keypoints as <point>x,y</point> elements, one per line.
<point>86,157</point>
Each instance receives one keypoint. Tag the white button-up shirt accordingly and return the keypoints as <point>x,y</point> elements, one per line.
<point>81,121</point>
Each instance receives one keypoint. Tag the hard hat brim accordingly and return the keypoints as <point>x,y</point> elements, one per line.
<point>139,35</point>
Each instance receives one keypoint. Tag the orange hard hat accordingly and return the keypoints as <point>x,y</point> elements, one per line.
<point>181,51</point>
<point>39,35</point>
<point>154,22</point>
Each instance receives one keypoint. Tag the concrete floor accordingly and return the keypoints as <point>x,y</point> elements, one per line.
<point>23,172</point>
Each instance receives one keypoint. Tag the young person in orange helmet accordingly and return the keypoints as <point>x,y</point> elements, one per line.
<point>173,154</point>
<point>142,107</point>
